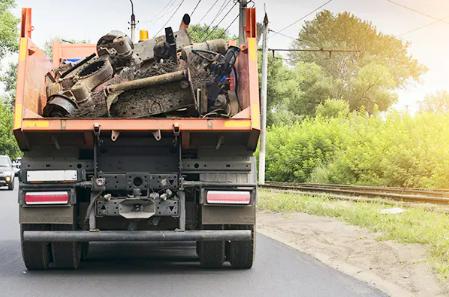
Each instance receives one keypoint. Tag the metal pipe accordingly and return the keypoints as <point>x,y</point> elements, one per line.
<point>148,81</point>
<point>84,236</point>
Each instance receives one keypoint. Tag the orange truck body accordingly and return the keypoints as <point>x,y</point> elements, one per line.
<point>33,64</point>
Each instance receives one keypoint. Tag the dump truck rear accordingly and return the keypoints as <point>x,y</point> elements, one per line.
<point>174,173</point>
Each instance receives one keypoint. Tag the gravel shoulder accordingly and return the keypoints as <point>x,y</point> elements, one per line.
<point>396,269</point>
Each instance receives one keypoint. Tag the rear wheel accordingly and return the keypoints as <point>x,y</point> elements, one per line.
<point>66,255</point>
<point>36,255</point>
<point>241,253</point>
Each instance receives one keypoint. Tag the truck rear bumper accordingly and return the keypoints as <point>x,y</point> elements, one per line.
<point>195,235</point>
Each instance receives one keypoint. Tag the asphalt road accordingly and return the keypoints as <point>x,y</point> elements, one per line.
<point>123,269</point>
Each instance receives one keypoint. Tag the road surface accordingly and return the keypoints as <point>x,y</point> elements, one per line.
<point>170,269</point>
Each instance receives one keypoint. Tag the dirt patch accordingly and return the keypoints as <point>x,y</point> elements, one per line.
<point>397,269</point>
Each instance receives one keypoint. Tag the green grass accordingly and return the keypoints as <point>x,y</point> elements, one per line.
<point>415,225</point>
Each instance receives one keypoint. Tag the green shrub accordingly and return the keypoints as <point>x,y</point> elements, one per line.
<point>395,150</point>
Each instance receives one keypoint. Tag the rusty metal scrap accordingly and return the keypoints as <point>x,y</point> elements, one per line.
<point>164,76</point>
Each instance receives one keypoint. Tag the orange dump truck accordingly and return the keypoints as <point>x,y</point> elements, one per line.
<point>134,179</point>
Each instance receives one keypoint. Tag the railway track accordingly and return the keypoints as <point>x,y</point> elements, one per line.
<point>440,196</point>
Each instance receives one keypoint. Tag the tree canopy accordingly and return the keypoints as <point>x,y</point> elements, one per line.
<point>199,33</point>
<point>367,78</point>
<point>8,44</point>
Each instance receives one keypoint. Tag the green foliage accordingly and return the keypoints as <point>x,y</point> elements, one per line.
<point>311,87</point>
<point>399,150</point>
<point>333,108</point>
<point>436,103</point>
<point>8,28</point>
<point>9,80</point>
<point>415,225</point>
<point>294,151</point>
<point>199,33</point>
<point>8,144</point>
<point>366,78</point>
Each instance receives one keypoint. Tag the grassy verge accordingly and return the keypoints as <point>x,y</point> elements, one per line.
<point>415,225</point>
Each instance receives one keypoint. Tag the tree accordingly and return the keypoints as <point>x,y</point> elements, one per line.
<point>436,103</point>
<point>312,87</point>
<point>8,28</point>
<point>8,144</point>
<point>8,78</point>
<point>346,31</point>
<point>333,108</point>
<point>199,33</point>
<point>8,44</point>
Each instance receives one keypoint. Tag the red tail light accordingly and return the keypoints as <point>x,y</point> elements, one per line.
<point>229,197</point>
<point>32,198</point>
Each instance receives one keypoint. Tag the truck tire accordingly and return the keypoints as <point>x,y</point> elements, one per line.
<point>36,255</point>
<point>241,253</point>
<point>11,185</point>
<point>211,253</point>
<point>66,255</point>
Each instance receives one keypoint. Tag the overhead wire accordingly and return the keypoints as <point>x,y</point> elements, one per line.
<point>160,14</point>
<point>422,27</point>
<point>303,17</point>
<point>223,7</point>
<point>417,11</point>
<point>222,19</point>
<point>233,21</point>
<point>282,34</point>
<point>171,16</point>
<point>209,10</point>
<point>196,6</point>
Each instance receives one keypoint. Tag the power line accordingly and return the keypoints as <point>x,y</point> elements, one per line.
<point>160,14</point>
<point>282,34</point>
<point>417,11</point>
<point>210,9</point>
<point>422,27</point>
<point>196,6</point>
<point>216,26</point>
<point>223,7</point>
<point>305,16</point>
<point>171,16</point>
<point>233,21</point>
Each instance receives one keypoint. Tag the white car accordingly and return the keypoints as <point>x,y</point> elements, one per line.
<point>7,172</point>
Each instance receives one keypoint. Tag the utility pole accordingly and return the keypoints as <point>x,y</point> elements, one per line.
<point>263,102</point>
<point>133,22</point>
<point>242,21</point>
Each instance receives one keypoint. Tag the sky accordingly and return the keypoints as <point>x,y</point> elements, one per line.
<point>429,39</point>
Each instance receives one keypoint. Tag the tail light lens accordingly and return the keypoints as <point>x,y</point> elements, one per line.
<point>32,198</point>
<point>228,197</point>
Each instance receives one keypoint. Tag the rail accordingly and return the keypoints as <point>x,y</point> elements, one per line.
<point>432,196</point>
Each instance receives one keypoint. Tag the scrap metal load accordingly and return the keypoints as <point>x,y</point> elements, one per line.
<point>166,76</point>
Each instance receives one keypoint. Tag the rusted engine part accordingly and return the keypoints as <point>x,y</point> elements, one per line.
<point>211,71</point>
<point>152,96</point>
<point>166,50</point>
<point>118,48</point>
<point>86,79</point>
<point>100,103</point>
<point>144,51</point>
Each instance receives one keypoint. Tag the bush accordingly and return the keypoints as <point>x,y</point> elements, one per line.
<point>8,144</point>
<point>398,150</point>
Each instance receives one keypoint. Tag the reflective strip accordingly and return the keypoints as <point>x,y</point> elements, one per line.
<point>52,176</point>
<point>46,198</point>
<point>228,197</point>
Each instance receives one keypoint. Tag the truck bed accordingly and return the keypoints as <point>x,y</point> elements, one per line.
<point>33,64</point>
